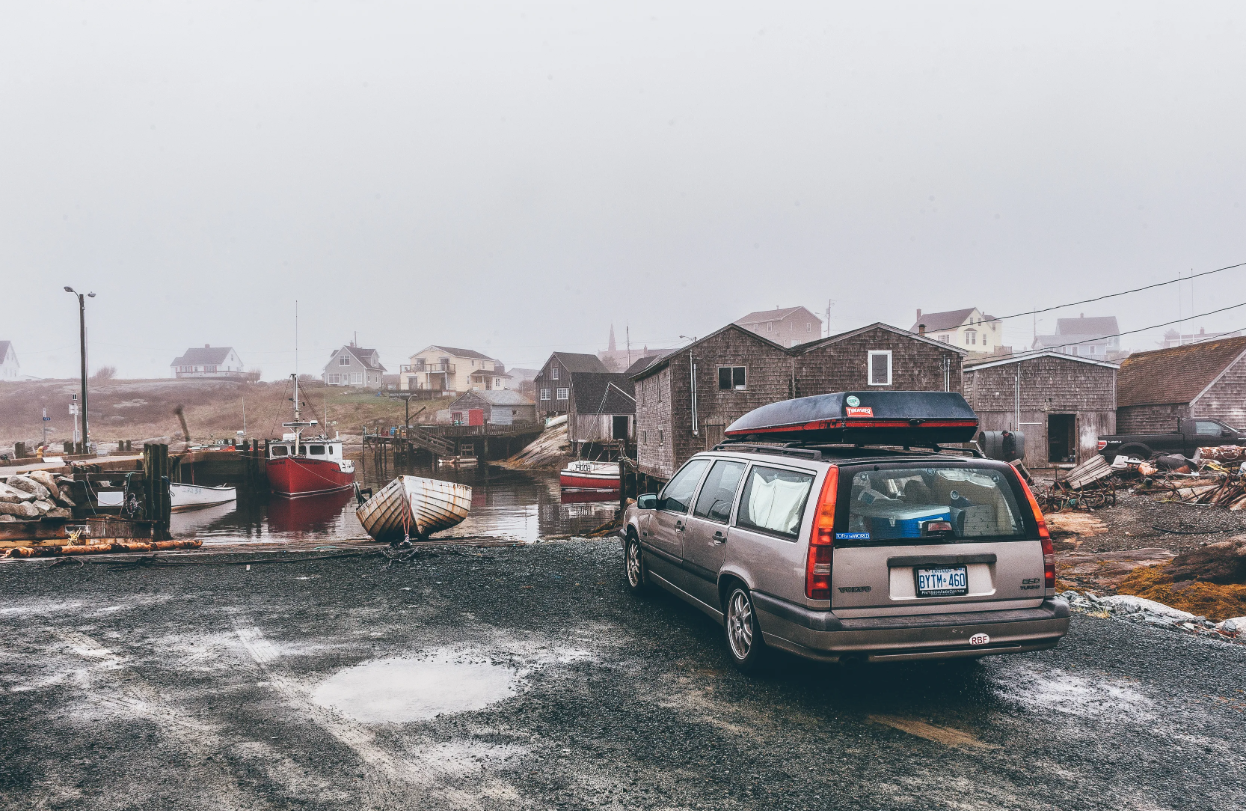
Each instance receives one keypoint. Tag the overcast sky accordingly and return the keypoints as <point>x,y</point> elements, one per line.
<point>515,177</point>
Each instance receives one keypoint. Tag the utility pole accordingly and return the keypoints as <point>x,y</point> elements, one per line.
<point>82,334</point>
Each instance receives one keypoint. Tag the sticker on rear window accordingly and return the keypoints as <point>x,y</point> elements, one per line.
<point>852,536</point>
<point>860,411</point>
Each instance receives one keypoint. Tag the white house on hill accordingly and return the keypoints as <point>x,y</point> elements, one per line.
<point>210,361</point>
<point>355,366</point>
<point>10,369</point>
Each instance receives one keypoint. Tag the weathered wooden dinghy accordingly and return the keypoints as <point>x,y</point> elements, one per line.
<point>413,507</point>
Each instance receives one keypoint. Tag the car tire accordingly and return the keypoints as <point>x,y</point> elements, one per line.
<point>634,565</point>
<point>744,643</point>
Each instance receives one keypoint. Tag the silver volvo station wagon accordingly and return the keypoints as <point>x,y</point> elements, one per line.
<point>803,533</point>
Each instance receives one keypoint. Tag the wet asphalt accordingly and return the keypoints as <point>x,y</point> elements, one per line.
<point>203,685</point>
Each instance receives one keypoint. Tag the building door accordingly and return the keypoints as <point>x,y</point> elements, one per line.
<point>1061,438</point>
<point>475,416</point>
<point>619,428</point>
<point>713,434</point>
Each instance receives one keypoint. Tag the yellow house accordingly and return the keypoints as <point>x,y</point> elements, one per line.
<point>969,329</point>
<point>449,369</point>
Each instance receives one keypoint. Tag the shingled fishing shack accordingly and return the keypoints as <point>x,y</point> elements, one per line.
<point>1062,403</point>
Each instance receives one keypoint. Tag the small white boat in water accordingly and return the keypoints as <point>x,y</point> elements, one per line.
<point>413,507</point>
<point>184,497</point>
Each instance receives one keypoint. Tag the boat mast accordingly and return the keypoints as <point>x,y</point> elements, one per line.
<point>297,431</point>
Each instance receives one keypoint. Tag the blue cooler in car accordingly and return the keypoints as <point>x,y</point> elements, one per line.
<point>903,522</point>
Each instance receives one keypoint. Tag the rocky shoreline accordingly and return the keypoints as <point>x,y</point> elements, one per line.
<point>1148,612</point>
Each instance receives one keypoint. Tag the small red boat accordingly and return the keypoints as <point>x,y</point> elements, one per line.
<point>307,467</point>
<point>590,476</point>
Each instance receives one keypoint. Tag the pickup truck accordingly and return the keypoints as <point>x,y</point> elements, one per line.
<point>1189,437</point>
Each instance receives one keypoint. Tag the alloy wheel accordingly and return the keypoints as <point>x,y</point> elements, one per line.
<point>633,564</point>
<point>740,623</point>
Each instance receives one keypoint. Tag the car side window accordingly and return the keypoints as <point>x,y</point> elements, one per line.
<point>718,492</point>
<point>774,501</point>
<point>677,494</point>
<point>1206,428</point>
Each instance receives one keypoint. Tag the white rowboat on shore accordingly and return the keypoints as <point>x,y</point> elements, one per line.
<point>424,505</point>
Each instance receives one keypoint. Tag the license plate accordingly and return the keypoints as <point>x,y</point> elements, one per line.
<point>952,581</point>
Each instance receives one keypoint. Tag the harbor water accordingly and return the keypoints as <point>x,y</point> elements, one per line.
<point>506,505</point>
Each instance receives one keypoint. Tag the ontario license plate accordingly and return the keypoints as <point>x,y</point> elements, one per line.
<point>952,581</point>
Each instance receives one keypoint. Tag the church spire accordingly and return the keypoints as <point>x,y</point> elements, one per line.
<point>612,347</point>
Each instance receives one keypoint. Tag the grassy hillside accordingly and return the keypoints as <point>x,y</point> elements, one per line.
<point>144,409</point>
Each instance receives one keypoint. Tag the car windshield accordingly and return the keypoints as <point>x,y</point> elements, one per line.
<point>931,505</point>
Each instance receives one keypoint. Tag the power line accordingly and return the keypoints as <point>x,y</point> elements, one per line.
<point>1123,293</point>
<point>1127,332</point>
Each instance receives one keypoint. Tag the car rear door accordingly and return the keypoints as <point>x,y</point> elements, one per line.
<point>934,537</point>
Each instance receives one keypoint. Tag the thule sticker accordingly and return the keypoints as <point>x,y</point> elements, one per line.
<point>853,400</point>
<point>979,639</point>
<point>854,589</point>
<point>852,536</point>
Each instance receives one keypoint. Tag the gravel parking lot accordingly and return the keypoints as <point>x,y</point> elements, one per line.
<point>527,677</point>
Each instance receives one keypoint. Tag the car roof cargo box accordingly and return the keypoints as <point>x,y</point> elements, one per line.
<point>919,418</point>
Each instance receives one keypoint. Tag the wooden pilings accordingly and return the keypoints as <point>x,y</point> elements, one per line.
<point>156,504</point>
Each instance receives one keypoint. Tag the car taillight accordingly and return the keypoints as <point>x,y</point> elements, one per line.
<point>1049,551</point>
<point>822,541</point>
<point>1101,444</point>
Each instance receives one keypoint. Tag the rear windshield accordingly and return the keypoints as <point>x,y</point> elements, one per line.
<point>930,505</point>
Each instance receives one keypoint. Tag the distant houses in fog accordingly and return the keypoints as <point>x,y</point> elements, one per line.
<point>210,362</point>
<point>786,326</point>
<point>10,369</point>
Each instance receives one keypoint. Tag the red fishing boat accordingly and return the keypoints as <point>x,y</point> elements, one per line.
<point>307,467</point>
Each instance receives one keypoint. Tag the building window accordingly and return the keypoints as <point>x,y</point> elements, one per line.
<point>553,372</point>
<point>359,377</point>
<point>808,327</point>
<point>343,360</point>
<point>545,394</point>
<point>562,394</point>
<point>661,436</point>
<point>878,362</point>
<point>971,337</point>
<point>731,377</point>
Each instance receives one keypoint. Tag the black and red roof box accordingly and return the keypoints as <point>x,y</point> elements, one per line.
<point>862,417</point>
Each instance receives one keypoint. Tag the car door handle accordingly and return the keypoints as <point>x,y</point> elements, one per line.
<point>719,538</point>
<point>679,527</point>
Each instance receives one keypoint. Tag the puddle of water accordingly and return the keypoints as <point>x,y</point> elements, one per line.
<point>517,505</point>
<point>395,691</point>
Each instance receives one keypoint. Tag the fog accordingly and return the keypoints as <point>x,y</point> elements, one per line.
<point>515,178</point>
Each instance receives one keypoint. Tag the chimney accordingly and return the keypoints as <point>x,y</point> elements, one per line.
<point>919,313</point>
<point>1081,315</point>
<point>921,328</point>
<point>207,346</point>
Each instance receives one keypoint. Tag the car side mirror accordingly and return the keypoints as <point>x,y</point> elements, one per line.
<point>649,501</point>
<point>1225,432</point>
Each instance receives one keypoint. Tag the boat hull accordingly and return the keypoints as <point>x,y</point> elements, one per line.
<point>425,506</point>
<point>183,497</point>
<point>588,481</point>
<point>299,476</point>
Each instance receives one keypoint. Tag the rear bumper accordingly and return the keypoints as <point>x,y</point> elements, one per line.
<point>822,635</point>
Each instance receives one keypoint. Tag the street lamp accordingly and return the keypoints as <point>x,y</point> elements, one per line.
<point>82,334</point>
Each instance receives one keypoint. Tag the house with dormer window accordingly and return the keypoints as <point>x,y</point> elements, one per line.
<point>354,366</point>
